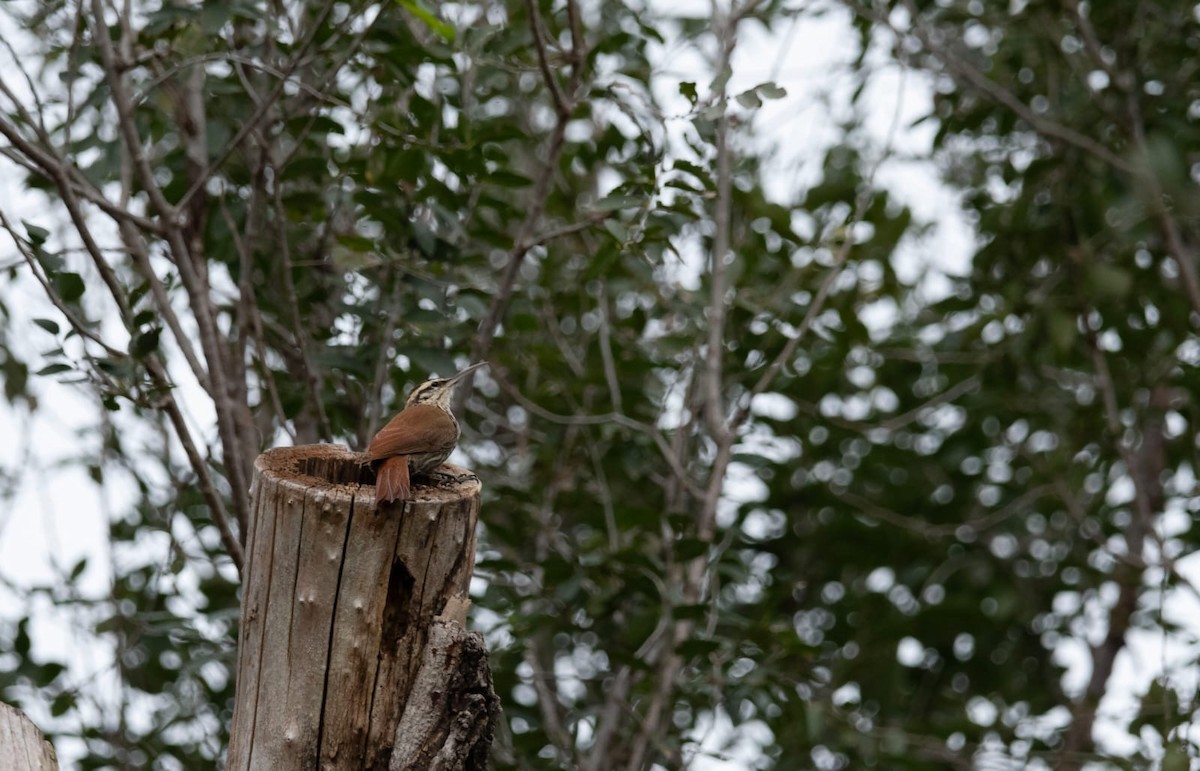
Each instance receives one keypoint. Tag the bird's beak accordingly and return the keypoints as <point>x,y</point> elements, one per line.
<point>455,380</point>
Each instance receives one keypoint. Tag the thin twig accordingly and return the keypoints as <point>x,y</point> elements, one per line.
<point>162,302</point>
<point>299,337</point>
<point>997,93</point>
<point>714,387</point>
<point>544,683</point>
<point>260,111</point>
<point>611,418</point>
<point>167,401</point>
<point>237,462</point>
<point>575,227</point>
<point>1078,738</point>
<point>253,317</point>
<point>382,359</point>
<point>541,190</point>
<point>606,354</point>
<point>204,480</point>
<point>561,106</point>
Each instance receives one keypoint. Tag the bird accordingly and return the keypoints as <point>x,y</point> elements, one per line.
<point>417,440</point>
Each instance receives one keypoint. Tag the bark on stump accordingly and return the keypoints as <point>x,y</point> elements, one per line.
<point>22,745</point>
<point>352,652</point>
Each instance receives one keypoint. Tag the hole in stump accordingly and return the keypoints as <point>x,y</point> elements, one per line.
<point>340,471</point>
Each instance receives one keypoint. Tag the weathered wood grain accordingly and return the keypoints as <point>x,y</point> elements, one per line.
<point>339,600</point>
<point>22,745</point>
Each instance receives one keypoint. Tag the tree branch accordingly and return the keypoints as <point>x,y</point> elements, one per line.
<point>1078,739</point>
<point>541,190</point>
<point>970,74</point>
<point>195,282</point>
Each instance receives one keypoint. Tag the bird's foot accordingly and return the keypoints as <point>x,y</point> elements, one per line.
<point>442,479</point>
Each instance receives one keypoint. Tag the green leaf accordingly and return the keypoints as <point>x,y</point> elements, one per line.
<point>688,89</point>
<point>145,343</point>
<point>615,202</point>
<point>356,243</point>
<point>49,672</point>
<point>505,178</point>
<point>1176,758</point>
<point>62,703</point>
<point>21,642</point>
<point>37,234</point>
<point>473,304</point>
<point>69,286</point>
<point>48,325</point>
<point>1109,281</point>
<point>54,369</point>
<point>771,91</point>
<point>690,548</point>
<point>617,230</point>
<point>694,647</point>
<point>1063,332</point>
<point>749,99</point>
<point>441,28</point>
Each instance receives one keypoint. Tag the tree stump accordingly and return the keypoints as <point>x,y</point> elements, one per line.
<point>352,641</point>
<point>22,745</point>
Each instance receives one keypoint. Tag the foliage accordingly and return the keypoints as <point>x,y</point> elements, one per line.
<point>714,493</point>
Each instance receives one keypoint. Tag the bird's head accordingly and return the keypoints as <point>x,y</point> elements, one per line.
<point>437,390</point>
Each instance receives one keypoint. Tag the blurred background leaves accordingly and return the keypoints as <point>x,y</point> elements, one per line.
<point>754,485</point>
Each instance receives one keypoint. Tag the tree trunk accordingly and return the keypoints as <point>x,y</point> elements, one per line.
<point>22,745</point>
<point>352,640</point>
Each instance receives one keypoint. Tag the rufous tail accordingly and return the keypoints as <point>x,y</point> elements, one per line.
<point>391,480</point>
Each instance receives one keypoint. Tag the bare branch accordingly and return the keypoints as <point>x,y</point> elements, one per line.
<point>606,498</point>
<point>544,683</point>
<point>571,229</point>
<point>606,354</point>
<point>205,481</point>
<point>1092,43</point>
<point>927,529</point>
<point>616,693</point>
<point>540,195</point>
<point>260,112</point>
<point>1079,739</point>
<point>814,309</point>
<point>611,418</point>
<point>714,358</point>
<point>978,80</point>
<point>710,382</point>
<point>192,268</point>
<point>960,388</point>
<point>127,122</point>
<point>162,302</point>
<point>299,337</point>
<point>561,106</point>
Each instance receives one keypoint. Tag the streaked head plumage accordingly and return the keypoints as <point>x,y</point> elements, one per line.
<point>437,390</point>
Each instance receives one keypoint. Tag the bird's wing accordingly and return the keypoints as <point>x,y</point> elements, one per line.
<point>419,428</point>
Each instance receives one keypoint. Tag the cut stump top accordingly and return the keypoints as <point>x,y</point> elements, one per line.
<point>339,599</point>
<point>346,475</point>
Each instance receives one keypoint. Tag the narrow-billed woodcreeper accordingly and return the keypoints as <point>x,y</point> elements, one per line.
<point>417,440</point>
